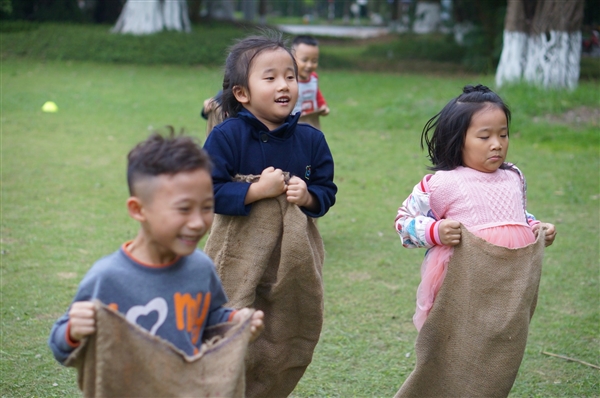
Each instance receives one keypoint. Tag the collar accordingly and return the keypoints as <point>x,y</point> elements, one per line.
<point>284,131</point>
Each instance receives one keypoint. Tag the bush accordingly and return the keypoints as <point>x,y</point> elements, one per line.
<point>205,45</point>
<point>43,10</point>
<point>441,48</point>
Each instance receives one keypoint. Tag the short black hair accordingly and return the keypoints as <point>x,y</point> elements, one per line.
<point>450,126</point>
<point>170,154</point>
<point>304,39</point>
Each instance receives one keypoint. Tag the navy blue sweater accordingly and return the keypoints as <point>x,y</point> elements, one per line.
<point>244,145</point>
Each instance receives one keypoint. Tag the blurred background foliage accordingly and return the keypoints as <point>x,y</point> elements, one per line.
<point>79,30</point>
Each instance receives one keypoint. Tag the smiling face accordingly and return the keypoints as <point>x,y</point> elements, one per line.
<point>175,212</point>
<point>307,58</point>
<point>486,140</point>
<point>272,88</point>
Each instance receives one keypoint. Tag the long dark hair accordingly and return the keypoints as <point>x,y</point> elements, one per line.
<point>239,61</point>
<point>450,126</point>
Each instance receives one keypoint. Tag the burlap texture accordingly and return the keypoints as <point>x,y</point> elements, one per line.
<point>213,118</point>
<point>123,360</point>
<point>474,338</point>
<point>314,119</point>
<point>272,260</point>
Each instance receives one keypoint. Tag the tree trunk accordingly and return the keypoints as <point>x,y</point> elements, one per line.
<point>544,46</point>
<point>262,12</point>
<point>195,6</point>
<point>220,9</point>
<point>514,48</point>
<point>346,12</point>
<point>150,16</point>
<point>427,16</point>
<point>176,15</point>
<point>249,8</point>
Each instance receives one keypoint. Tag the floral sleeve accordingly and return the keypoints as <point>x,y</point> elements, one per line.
<point>531,220</point>
<point>415,222</point>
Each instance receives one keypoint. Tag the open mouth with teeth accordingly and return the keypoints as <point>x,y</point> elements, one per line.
<point>190,239</point>
<point>283,100</point>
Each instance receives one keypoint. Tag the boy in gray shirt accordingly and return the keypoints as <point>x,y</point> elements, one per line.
<point>159,280</point>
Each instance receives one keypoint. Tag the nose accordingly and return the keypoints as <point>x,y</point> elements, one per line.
<point>496,144</point>
<point>196,221</point>
<point>283,84</point>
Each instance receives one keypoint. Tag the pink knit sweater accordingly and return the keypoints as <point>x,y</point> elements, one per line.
<point>478,200</point>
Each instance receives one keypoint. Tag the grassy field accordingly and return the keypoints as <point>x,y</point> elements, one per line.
<point>63,207</point>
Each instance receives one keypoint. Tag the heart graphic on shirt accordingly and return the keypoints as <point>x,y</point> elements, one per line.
<point>158,304</point>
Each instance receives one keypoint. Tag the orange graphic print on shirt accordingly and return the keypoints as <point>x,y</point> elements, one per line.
<point>190,313</point>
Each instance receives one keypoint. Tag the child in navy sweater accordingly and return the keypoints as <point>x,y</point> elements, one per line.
<point>261,137</point>
<point>293,163</point>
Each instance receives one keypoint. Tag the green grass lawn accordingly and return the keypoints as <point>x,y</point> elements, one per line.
<point>63,207</point>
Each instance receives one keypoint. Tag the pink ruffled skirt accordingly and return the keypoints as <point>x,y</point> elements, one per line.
<point>435,264</point>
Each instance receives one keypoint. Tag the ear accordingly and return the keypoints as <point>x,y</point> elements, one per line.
<point>134,207</point>
<point>241,94</point>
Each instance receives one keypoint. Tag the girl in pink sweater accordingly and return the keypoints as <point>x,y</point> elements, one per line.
<point>472,185</point>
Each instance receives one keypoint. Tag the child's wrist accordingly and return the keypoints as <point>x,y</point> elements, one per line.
<point>69,337</point>
<point>432,233</point>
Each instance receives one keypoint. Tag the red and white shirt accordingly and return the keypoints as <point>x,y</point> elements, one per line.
<point>309,96</point>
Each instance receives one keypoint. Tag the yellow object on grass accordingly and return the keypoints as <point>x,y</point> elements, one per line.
<point>50,106</point>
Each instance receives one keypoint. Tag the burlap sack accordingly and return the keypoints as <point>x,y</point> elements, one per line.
<point>473,340</point>
<point>123,360</point>
<point>272,260</point>
<point>314,119</point>
<point>213,118</point>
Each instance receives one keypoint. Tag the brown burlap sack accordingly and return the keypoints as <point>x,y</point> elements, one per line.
<point>314,119</point>
<point>272,260</point>
<point>473,340</point>
<point>213,118</point>
<point>123,360</point>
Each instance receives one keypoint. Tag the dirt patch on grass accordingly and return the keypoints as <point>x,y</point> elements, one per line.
<point>577,116</point>
<point>359,276</point>
<point>66,275</point>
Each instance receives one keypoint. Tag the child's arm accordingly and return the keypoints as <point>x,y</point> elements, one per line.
<point>531,220</point>
<point>318,177</point>
<point>419,227</point>
<point>322,107</point>
<point>73,326</point>
<point>256,324</point>
<point>323,111</point>
<point>414,220</point>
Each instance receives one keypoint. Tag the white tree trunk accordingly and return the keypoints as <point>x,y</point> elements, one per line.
<point>427,17</point>
<point>142,17</point>
<point>176,17</point>
<point>513,58</point>
<point>551,60</point>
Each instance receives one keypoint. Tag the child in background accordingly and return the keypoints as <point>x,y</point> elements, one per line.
<point>211,112</point>
<point>311,103</point>
<point>261,138</point>
<point>473,185</point>
<point>172,198</point>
